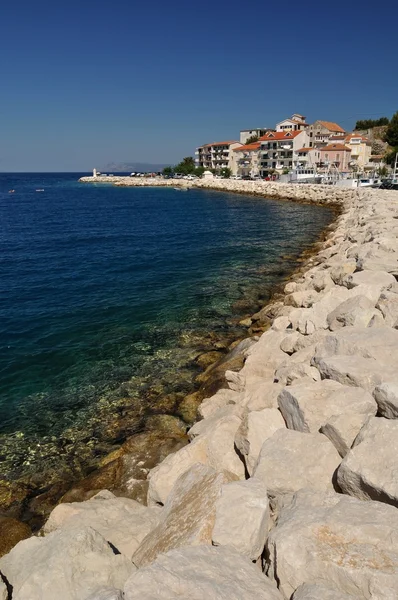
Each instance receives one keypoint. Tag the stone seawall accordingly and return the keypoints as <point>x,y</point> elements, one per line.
<point>318,194</point>
<point>288,488</point>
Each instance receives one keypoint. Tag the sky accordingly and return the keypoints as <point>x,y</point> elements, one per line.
<point>86,83</point>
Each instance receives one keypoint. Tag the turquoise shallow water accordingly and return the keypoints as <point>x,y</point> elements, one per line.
<point>103,285</point>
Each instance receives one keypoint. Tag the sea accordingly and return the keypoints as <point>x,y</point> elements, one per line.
<point>107,297</point>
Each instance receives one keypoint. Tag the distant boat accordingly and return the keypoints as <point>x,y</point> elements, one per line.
<point>11,191</point>
<point>39,190</point>
<point>181,189</point>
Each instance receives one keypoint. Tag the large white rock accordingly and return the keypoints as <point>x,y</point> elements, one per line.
<point>369,470</point>
<point>353,371</point>
<point>219,432</point>
<point>354,312</point>
<point>3,591</point>
<point>320,591</point>
<point>381,279</point>
<point>309,406</point>
<point>68,564</point>
<point>242,517</point>
<point>121,521</point>
<point>263,394</point>
<point>388,305</point>
<point>187,518</point>
<point>257,426</point>
<point>386,396</point>
<point>163,476</point>
<point>290,460</point>
<point>264,356</point>
<point>292,372</point>
<point>337,540</point>
<point>199,573</point>
<point>214,403</point>
<point>343,429</point>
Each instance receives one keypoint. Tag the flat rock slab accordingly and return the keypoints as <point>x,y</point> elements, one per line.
<point>242,517</point>
<point>337,410</point>
<point>354,371</point>
<point>68,564</point>
<point>354,312</point>
<point>319,591</point>
<point>188,515</point>
<point>201,573</point>
<point>337,540</point>
<point>290,460</point>
<point>3,591</point>
<point>121,521</point>
<point>369,470</point>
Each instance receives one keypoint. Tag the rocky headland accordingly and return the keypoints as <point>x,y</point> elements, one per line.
<point>288,487</point>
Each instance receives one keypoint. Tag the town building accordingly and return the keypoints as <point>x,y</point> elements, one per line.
<point>295,123</point>
<point>336,155</point>
<point>246,160</point>
<point>216,155</point>
<point>278,149</point>
<point>320,132</point>
<point>306,158</point>
<point>361,150</point>
<point>246,134</point>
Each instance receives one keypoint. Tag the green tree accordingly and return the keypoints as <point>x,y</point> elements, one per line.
<point>370,123</point>
<point>168,171</point>
<point>226,173</point>
<point>186,166</point>
<point>252,139</point>
<point>391,136</point>
<point>199,171</point>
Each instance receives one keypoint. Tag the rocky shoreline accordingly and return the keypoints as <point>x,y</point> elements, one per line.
<point>288,487</point>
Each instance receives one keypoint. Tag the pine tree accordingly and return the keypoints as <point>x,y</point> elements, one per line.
<point>391,136</point>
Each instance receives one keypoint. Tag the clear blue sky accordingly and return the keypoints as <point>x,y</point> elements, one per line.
<point>84,83</point>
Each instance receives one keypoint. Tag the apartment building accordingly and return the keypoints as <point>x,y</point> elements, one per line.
<point>337,155</point>
<point>320,132</point>
<point>278,149</point>
<point>216,155</point>
<point>295,123</point>
<point>361,149</point>
<point>246,134</point>
<point>246,160</point>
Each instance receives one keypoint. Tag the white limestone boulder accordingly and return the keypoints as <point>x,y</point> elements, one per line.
<point>304,299</point>
<point>369,470</point>
<point>309,406</point>
<point>340,541</point>
<point>264,356</point>
<point>68,564</point>
<point>256,427</point>
<point>222,398</point>
<point>242,517</point>
<point>199,573</point>
<point>187,518</point>
<point>354,312</point>
<point>357,371</point>
<point>3,591</point>
<point>293,372</point>
<point>163,476</point>
<point>290,460</point>
<point>320,591</point>
<point>262,394</point>
<point>388,306</point>
<point>386,396</point>
<point>121,521</point>
<point>343,429</point>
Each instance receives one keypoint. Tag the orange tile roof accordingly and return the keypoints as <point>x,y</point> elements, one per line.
<point>331,126</point>
<point>353,135</point>
<point>332,147</point>
<point>245,147</point>
<point>305,149</point>
<point>279,135</point>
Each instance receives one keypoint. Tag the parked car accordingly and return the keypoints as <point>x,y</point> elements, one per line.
<point>236,177</point>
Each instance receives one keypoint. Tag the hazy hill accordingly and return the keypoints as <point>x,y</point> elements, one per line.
<point>133,167</point>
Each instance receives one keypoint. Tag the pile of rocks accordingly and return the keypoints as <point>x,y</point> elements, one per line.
<point>288,488</point>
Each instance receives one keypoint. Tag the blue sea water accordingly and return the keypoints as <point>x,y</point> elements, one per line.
<point>103,285</point>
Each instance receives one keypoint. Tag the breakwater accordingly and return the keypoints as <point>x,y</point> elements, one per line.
<point>291,464</point>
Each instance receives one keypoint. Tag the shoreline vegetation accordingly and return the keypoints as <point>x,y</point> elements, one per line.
<point>125,470</point>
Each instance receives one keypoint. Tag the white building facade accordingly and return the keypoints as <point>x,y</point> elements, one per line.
<point>217,155</point>
<point>278,150</point>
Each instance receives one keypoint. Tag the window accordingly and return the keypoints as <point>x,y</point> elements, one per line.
<point>326,156</point>
<point>311,144</point>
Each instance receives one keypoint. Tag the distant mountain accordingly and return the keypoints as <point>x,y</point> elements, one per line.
<point>133,167</point>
